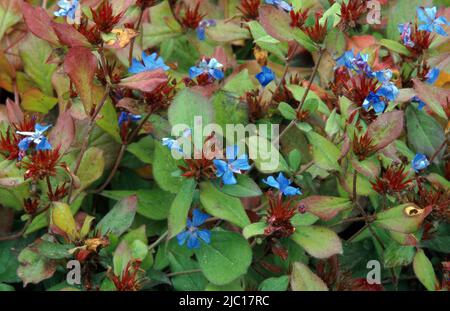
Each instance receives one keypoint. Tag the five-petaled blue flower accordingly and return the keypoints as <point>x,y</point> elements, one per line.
<point>420,162</point>
<point>174,144</point>
<point>67,8</point>
<point>388,90</point>
<point>148,63</point>
<point>212,67</point>
<point>431,23</point>
<point>202,27</point>
<point>193,234</point>
<point>236,164</point>
<point>282,184</point>
<point>432,75</point>
<point>405,34</point>
<point>375,101</point>
<point>358,63</point>
<point>419,101</point>
<point>128,117</point>
<point>265,76</point>
<point>280,4</point>
<point>37,137</point>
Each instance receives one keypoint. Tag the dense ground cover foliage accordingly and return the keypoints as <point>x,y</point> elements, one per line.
<point>99,192</point>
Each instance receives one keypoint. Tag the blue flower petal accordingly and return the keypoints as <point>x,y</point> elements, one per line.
<point>193,242</point>
<point>289,191</point>
<point>221,167</point>
<point>24,144</point>
<point>182,237</point>
<point>44,144</point>
<point>420,162</point>
<point>271,182</point>
<point>198,218</point>
<point>228,178</point>
<point>205,235</point>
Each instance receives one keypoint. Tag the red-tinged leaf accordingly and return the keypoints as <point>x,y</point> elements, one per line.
<point>319,242</point>
<point>303,279</point>
<point>15,114</point>
<point>386,128</point>
<point>39,23</point>
<point>80,64</point>
<point>362,285</point>
<point>120,217</point>
<point>69,36</point>
<point>434,97</point>
<point>276,23</point>
<point>63,133</point>
<point>145,81</point>
<point>325,207</point>
<point>423,269</point>
<point>405,218</point>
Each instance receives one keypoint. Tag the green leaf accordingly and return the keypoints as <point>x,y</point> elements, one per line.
<point>425,135</point>
<point>187,282</point>
<point>319,242</point>
<point>395,46</point>
<point>397,255</point>
<point>152,203</point>
<point>245,187</point>
<point>61,217</point>
<point>34,54</point>
<point>400,12</point>
<point>107,119</point>
<point>265,41</point>
<point>54,250</point>
<point>186,106</point>
<point>303,279</point>
<point>34,267</point>
<point>122,255</point>
<point>239,83</point>
<point>279,284</point>
<point>226,258</point>
<point>6,288</point>
<point>120,217</point>
<point>326,207</point>
<point>303,39</point>
<point>423,268</point>
<point>397,218</point>
<point>36,101</point>
<point>91,167</point>
<point>333,123</point>
<point>294,159</point>
<point>222,206</point>
<point>164,167</point>
<point>228,110</point>
<point>254,229</point>
<point>386,128</point>
<point>287,111</point>
<point>434,97</point>
<point>226,31</point>
<point>266,157</point>
<point>312,99</point>
<point>143,149</point>
<point>179,209</point>
<point>163,26</point>
<point>325,153</point>
<point>10,14</point>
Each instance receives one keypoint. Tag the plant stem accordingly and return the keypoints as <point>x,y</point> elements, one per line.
<point>130,55</point>
<point>438,150</point>
<point>183,272</point>
<point>159,240</point>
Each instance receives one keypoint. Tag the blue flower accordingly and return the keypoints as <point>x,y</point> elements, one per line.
<point>202,27</point>
<point>432,75</point>
<point>148,63</point>
<point>235,164</point>
<point>280,4</point>
<point>128,117</point>
<point>37,137</point>
<point>430,22</point>
<point>383,76</point>
<point>265,76</point>
<point>405,34</point>
<point>282,184</point>
<point>418,100</point>
<point>346,60</point>
<point>420,162</point>
<point>193,234</point>
<point>388,90</point>
<point>212,67</point>
<point>67,8</point>
<point>375,101</point>
<point>174,144</point>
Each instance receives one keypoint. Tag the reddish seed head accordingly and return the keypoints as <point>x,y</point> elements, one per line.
<point>192,17</point>
<point>9,145</point>
<point>41,164</point>
<point>104,18</point>
<point>393,179</point>
<point>257,109</point>
<point>351,13</point>
<point>317,32</point>
<point>422,40</point>
<point>129,279</point>
<point>30,206</point>
<point>249,9</point>
<point>161,97</point>
<point>298,18</point>
<point>200,169</point>
<point>362,146</point>
<point>279,216</point>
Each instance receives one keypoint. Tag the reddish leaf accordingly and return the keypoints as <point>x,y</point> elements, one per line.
<point>39,23</point>
<point>80,64</point>
<point>145,81</point>
<point>15,114</point>
<point>69,36</point>
<point>434,97</point>
<point>325,207</point>
<point>275,23</point>
<point>386,128</point>
<point>64,132</point>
